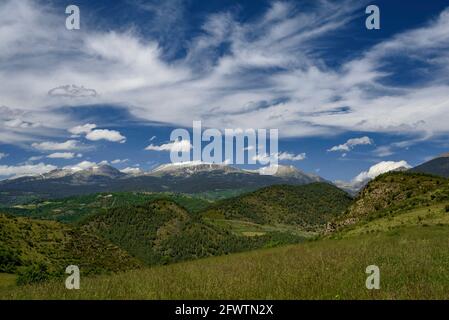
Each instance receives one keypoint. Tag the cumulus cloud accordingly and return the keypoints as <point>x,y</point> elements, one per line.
<point>105,134</point>
<point>25,170</point>
<point>64,155</point>
<point>380,168</point>
<point>351,143</point>
<point>83,165</point>
<point>3,155</point>
<point>130,170</point>
<point>82,129</point>
<point>175,146</point>
<point>56,146</point>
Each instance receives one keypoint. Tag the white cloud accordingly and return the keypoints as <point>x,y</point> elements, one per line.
<point>175,146</point>
<point>81,166</point>
<point>3,155</point>
<point>18,123</point>
<point>291,156</point>
<point>56,146</point>
<point>72,91</point>
<point>82,129</point>
<point>64,155</point>
<point>380,168</point>
<point>282,156</point>
<point>383,151</point>
<point>118,161</point>
<point>392,148</point>
<point>220,87</point>
<point>351,143</point>
<point>26,170</point>
<point>35,158</point>
<point>130,170</point>
<point>105,134</point>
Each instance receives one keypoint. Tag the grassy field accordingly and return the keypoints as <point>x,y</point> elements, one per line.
<point>7,281</point>
<point>432,215</point>
<point>413,261</point>
<point>246,228</point>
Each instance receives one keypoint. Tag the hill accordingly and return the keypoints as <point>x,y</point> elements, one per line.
<point>392,193</point>
<point>76,208</point>
<point>308,207</point>
<point>438,166</point>
<point>26,243</point>
<point>163,232</point>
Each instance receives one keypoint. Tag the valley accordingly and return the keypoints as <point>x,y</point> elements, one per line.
<point>313,240</point>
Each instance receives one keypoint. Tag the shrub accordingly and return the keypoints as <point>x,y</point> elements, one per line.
<point>9,260</point>
<point>446,208</point>
<point>32,274</point>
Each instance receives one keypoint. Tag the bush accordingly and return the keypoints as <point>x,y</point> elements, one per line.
<point>446,208</point>
<point>9,260</point>
<point>32,274</point>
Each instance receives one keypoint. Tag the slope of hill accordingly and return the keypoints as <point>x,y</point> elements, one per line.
<point>413,264</point>
<point>393,193</point>
<point>309,207</point>
<point>163,232</point>
<point>74,209</point>
<point>26,242</point>
<point>400,190</point>
<point>438,166</point>
<point>193,178</point>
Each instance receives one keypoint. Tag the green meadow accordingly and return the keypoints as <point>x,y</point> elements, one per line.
<point>413,261</point>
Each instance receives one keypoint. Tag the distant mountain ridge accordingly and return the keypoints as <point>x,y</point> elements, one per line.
<point>438,166</point>
<point>188,177</point>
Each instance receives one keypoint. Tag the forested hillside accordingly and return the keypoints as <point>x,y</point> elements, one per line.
<point>309,207</point>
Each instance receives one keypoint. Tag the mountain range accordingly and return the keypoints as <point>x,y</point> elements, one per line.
<point>188,177</point>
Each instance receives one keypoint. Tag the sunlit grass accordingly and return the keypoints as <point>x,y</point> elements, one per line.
<point>424,216</point>
<point>414,264</point>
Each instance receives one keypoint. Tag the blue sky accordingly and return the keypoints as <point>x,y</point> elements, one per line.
<point>346,97</point>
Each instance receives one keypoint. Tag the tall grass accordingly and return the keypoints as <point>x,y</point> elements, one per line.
<point>413,261</point>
